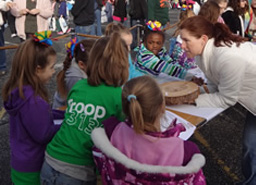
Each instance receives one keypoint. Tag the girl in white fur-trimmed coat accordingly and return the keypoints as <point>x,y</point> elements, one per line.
<point>136,151</point>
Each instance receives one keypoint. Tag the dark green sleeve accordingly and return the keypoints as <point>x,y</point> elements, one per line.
<point>151,8</point>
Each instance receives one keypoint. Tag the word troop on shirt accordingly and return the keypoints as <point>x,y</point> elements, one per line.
<point>85,116</point>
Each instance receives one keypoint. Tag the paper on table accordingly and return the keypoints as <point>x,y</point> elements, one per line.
<point>57,121</point>
<point>168,119</point>
<point>205,112</point>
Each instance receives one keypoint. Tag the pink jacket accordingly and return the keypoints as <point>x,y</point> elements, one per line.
<point>45,7</point>
<point>150,159</point>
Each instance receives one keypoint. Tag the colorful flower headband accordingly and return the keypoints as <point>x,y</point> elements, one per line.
<point>186,7</point>
<point>154,25</point>
<point>43,37</point>
<point>70,46</point>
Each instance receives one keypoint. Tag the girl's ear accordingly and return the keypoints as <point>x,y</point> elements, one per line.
<point>81,65</point>
<point>38,70</point>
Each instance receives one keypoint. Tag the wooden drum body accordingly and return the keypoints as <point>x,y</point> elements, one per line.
<point>179,92</point>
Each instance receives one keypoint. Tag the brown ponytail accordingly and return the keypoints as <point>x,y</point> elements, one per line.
<point>143,103</point>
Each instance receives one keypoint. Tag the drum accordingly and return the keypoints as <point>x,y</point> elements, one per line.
<point>179,92</point>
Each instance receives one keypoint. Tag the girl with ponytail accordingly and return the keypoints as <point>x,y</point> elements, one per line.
<point>141,139</point>
<point>230,63</point>
<point>89,102</point>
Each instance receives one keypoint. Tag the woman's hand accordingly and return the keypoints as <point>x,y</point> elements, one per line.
<point>34,11</point>
<point>198,81</point>
<point>24,11</point>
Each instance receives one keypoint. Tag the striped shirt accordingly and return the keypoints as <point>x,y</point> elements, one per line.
<point>148,63</point>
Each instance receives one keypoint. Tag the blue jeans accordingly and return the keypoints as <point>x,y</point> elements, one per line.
<point>2,52</point>
<point>97,13</point>
<point>84,30</point>
<point>249,150</point>
<point>109,12</point>
<point>49,176</point>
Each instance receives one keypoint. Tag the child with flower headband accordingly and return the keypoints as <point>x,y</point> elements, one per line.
<point>90,101</point>
<point>140,134</point>
<point>74,67</point>
<point>152,57</point>
<point>26,101</point>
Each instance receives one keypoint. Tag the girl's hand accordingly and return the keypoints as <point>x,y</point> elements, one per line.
<point>34,11</point>
<point>24,11</point>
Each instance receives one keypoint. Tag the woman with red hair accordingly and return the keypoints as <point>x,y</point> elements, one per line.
<point>230,63</point>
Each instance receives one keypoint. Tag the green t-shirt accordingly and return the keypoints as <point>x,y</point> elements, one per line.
<point>87,107</point>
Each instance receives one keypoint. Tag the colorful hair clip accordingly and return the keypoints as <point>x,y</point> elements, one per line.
<point>43,37</point>
<point>154,25</point>
<point>70,46</point>
<point>82,47</point>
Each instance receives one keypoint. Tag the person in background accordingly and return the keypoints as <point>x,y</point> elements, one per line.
<point>83,15</point>
<point>144,106</point>
<point>109,10</point>
<point>90,101</point>
<point>210,10</point>
<point>11,23</point>
<point>26,101</point>
<point>223,5</point>
<point>31,16</point>
<point>4,6</point>
<point>120,13</point>
<point>98,4</point>
<point>62,12</point>
<point>229,62</point>
<point>138,13</point>
<point>251,28</point>
<point>233,16</point>
<point>74,67</point>
<point>126,35</point>
<point>159,11</point>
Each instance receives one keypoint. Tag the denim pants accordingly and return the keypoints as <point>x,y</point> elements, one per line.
<point>96,30</point>
<point>49,176</point>
<point>109,12</point>
<point>2,52</point>
<point>249,150</point>
<point>84,30</point>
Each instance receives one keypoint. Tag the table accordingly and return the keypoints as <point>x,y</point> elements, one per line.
<point>195,115</point>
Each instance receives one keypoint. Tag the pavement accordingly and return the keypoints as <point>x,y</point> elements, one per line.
<point>219,139</point>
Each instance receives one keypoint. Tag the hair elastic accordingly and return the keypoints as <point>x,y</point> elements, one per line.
<point>129,97</point>
<point>82,47</point>
<point>70,46</point>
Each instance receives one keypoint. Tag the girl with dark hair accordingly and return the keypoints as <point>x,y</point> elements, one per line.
<point>230,63</point>
<point>152,57</point>
<point>74,67</point>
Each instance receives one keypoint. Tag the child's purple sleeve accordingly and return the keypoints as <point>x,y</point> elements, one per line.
<point>190,149</point>
<point>58,114</point>
<point>110,125</point>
